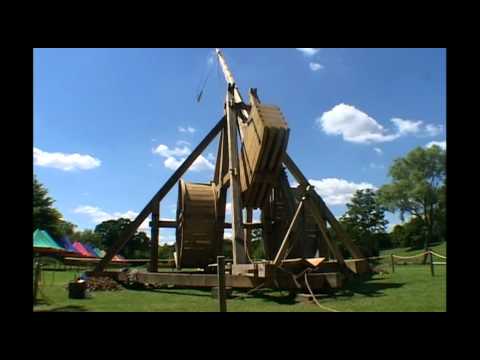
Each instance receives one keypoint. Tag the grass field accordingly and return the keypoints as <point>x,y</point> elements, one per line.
<point>409,288</point>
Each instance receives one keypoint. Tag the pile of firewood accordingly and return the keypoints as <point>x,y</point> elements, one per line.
<point>102,284</point>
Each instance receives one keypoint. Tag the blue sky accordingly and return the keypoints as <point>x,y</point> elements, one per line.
<point>111,125</point>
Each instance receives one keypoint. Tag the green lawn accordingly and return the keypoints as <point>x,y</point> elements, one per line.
<point>409,288</point>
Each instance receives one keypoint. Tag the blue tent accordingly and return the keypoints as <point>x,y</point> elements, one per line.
<point>67,245</point>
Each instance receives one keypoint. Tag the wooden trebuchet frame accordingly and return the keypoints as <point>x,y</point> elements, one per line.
<point>226,174</point>
<point>147,210</point>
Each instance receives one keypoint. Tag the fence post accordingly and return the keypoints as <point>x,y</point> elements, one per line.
<point>393,263</point>
<point>221,283</point>
<point>431,262</point>
<point>36,280</point>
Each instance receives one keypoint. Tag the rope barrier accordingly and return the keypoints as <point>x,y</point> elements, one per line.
<point>440,256</point>
<point>410,257</point>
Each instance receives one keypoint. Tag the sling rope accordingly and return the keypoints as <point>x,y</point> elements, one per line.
<point>313,295</point>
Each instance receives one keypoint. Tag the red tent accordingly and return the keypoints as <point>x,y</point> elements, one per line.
<point>81,249</point>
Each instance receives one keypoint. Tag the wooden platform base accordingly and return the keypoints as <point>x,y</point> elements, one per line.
<point>332,280</point>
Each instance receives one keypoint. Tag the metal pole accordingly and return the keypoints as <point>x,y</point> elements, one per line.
<point>221,283</point>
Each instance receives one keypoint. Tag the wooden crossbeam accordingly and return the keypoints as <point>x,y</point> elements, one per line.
<point>133,226</point>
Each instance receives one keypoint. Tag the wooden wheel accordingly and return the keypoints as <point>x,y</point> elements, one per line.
<point>196,235</point>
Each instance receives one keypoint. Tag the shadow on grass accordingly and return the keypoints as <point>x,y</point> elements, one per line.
<point>68,308</point>
<point>169,290</point>
<point>276,296</point>
<point>366,286</point>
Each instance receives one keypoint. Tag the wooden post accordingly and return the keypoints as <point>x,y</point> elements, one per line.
<point>248,231</point>
<point>36,281</point>
<point>238,246</point>
<point>431,262</point>
<point>393,263</point>
<point>221,283</point>
<point>154,237</point>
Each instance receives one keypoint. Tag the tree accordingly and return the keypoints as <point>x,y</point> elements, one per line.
<point>257,250</point>
<point>110,230</point>
<point>365,221</point>
<point>416,187</point>
<point>45,216</point>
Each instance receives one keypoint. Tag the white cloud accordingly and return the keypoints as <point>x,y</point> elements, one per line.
<point>211,157</point>
<point>172,163</point>
<point>338,191</point>
<point>358,127</point>
<point>201,164</point>
<point>354,125</point>
<point>433,130</point>
<point>175,157</point>
<point>406,126</point>
<point>441,144</point>
<point>97,216</point>
<point>62,161</point>
<point>378,150</point>
<point>315,66</point>
<point>308,51</point>
<point>188,129</point>
<point>165,151</point>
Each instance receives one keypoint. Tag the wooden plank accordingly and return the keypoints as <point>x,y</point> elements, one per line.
<point>316,280</point>
<point>238,246</point>
<point>133,226</point>
<point>154,238</point>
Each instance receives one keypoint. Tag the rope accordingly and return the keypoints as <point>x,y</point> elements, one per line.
<point>199,96</point>
<point>314,298</point>
<point>440,256</point>
<point>410,257</point>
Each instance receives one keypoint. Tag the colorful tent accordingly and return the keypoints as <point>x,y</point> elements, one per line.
<point>67,245</point>
<point>43,243</point>
<point>90,249</point>
<point>81,249</point>
<point>100,253</point>
<point>42,239</point>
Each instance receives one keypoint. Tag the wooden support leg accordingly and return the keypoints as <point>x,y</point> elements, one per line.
<point>324,210</point>
<point>287,239</point>
<point>153,267</point>
<point>238,247</point>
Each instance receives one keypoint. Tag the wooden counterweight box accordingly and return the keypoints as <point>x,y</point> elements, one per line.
<point>264,143</point>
